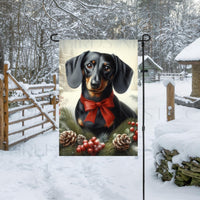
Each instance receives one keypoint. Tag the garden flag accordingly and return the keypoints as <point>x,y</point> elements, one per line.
<point>98,97</point>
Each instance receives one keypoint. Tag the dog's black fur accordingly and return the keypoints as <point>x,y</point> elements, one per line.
<point>99,73</point>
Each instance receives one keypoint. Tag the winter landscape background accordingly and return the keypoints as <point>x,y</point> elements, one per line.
<point>33,170</point>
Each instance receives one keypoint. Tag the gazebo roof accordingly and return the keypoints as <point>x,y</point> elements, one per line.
<point>190,54</point>
<point>146,57</point>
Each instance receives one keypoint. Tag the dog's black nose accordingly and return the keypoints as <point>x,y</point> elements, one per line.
<point>95,83</point>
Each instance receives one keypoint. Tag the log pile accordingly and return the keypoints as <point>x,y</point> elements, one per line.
<point>185,174</point>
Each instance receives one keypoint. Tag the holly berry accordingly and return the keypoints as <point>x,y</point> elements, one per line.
<point>78,150</point>
<point>85,141</point>
<point>99,147</point>
<point>135,138</point>
<point>96,149</point>
<point>102,145</point>
<point>90,141</point>
<point>129,123</point>
<point>90,150</point>
<point>93,146</point>
<point>93,139</point>
<point>133,123</point>
<point>136,132</point>
<point>90,144</point>
<point>96,142</point>
<point>82,148</point>
<point>132,129</point>
<point>85,145</point>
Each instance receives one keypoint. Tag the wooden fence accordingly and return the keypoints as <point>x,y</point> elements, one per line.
<point>21,115</point>
<point>174,76</point>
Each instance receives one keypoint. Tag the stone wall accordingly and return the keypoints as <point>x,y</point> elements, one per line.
<point>184,174</point>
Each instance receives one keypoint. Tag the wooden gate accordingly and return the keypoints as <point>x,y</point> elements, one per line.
<point>28,114</point>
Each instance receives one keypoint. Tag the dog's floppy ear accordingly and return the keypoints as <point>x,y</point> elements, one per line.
<point>123,75</point>
<point>73,70</point>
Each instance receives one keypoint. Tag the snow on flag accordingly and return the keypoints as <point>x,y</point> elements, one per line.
<point>98,97</point>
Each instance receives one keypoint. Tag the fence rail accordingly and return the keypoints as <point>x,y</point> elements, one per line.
<point>1,115</point>
<point>174,76</point>
<point>24,139</point>
<point>38,97</point>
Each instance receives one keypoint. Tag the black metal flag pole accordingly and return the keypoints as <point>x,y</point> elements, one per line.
<point>145,38</point>
<point>52,39</point>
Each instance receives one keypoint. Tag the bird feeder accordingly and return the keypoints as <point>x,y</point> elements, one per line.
<point>190,55</point>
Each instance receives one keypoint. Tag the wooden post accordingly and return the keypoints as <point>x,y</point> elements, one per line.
<point>195,80</point>
<point>54,99</point>
<point>170,102</point>
<point>6,106</point>
<point>1,116</point>
<point>23,116</point>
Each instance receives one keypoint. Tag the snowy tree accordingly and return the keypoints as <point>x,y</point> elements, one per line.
<point>178,30</point>
<point>25,36</point>
<point>26,27</point>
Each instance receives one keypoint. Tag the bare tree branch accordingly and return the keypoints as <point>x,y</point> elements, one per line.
<point>93,6</point>
<point>43,5</point>
<point>66,11</point>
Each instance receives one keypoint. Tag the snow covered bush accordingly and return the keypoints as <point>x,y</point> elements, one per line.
<point>176,152</point>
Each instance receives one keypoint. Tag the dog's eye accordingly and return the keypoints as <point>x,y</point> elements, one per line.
<point>107,68</point>
<point>89,66</point>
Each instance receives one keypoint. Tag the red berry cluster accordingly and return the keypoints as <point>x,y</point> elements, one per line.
<point>93,146</point>
<point>133,129</point>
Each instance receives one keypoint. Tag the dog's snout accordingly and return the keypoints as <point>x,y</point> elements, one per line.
<point>95,82</point>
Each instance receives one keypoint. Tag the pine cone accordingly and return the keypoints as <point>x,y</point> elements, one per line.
<point>67,137</point>
<point>122,142</point>
<point>80,139</point>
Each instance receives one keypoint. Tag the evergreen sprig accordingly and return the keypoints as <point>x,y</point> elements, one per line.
<point>67,122</point>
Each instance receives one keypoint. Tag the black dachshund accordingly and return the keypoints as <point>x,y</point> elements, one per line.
<point>99,110</point>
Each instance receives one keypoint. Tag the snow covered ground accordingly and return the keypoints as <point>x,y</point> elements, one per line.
<point>156,114</point>
<point>34,171</point>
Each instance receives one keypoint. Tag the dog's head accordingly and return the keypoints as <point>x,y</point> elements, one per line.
<point>98,70</point>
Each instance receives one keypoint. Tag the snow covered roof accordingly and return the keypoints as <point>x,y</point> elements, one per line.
<point>190,53</point>
<point>146,57</point>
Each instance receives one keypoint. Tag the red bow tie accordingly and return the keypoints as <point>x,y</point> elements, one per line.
<point>103,105</point>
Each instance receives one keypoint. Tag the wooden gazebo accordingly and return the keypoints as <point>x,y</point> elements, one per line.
<point>190,55</point>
